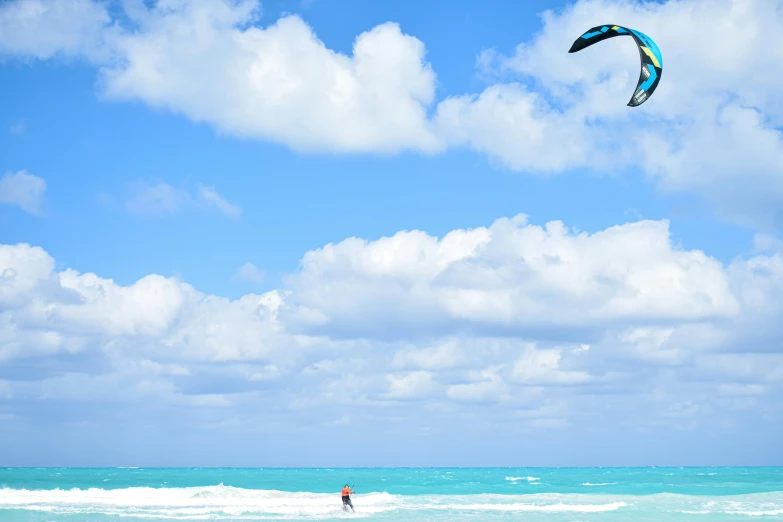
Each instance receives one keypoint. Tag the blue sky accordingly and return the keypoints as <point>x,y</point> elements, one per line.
<point>151,152</point>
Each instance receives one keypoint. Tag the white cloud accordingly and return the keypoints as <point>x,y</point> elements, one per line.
<point>250,272</point>
<point>516,126</point>
<point>23,190</point>
<point>209,197</point>
<point>207,60</point>
<point>267,372</point>
<point>280,83</point>
<point>448,353</point>
<point>46,28</point>
<point>486,386</point>
<point>543,367</point>
<point>146,308</point>
<point>653,343</point>
<point>164,314</point>
<point>159,198</point>
<point>742,389</point>
<point>156,199</point>
<point>126,386</point>
<point>409,386</point>
<point>510,277</point>
<point>766,243</point>
<point>159,337</point>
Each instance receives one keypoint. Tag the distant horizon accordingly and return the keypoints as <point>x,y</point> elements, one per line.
<point>386,467</point>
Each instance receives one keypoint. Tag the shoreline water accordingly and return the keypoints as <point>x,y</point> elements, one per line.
<point>545,494</point>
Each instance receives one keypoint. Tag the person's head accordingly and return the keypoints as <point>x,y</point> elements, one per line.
<point>346,485</point>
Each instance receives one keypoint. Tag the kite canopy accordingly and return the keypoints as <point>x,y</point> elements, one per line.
<point>652,63</point>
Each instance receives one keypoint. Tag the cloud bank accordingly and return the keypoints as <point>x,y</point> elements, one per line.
<point>549,326</point>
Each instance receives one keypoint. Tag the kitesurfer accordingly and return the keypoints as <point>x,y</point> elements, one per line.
<point>347,492</point>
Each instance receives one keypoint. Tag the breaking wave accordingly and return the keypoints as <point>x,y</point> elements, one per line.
<point>532,480</point>
<point>226,502</point>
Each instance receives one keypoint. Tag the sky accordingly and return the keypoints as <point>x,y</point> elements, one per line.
<point>345,233</point>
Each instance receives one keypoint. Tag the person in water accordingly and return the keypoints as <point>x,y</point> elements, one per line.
<point>347,492</point>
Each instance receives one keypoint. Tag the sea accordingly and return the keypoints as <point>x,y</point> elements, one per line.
<point>390,494</point>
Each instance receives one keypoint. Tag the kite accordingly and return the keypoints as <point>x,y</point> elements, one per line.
<point>652,63</point>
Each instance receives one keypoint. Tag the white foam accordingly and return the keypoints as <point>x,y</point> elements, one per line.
<point>542,508</point>
<point>749,512</point>
<point>758,513</point>
<point>225,502</point>
<point>222,502</point>
<point>588,484</point>
<point>751,505</point>
<point>517,479</point>
<point>184,502</point>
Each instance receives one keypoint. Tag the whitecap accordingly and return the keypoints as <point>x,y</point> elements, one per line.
<point>517,479</point>
<point>227,502</point>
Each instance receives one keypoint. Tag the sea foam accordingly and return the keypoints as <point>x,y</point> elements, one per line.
<point>223,502</point>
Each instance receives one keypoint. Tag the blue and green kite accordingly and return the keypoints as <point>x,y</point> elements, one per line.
<point>652,63</point>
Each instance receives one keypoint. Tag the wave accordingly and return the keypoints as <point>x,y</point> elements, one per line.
<point>223,502</point>
<point>517,479</point>
<point>588,484</point>
<point>746,512</point>
<point>525,507</point>
<point>185,503</point>
<point>226,502</point>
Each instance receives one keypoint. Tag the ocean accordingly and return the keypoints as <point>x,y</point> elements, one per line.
<point>438,494</point>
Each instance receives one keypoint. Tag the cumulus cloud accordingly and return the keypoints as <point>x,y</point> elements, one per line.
<point>280,83</point>
<point>156,199</point>
<point>511,277</point>
<point>429,344</point>
<point>23,190</point>
<point>208,60</point>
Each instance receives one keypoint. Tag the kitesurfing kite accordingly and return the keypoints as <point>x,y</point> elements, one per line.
<point>652,63</point>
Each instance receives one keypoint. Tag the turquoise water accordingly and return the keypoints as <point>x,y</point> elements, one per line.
<point>536,494</point>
